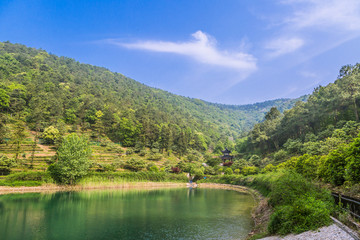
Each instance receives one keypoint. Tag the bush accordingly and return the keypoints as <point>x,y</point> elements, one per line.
<point>6,164</point>
<point>239,164</point>
<point>306,213</point>
<point>213,161</point>
<point>155,156</point>
<point>209,170</point>
<point>249,170</point>
<point>142,152</point>
<point>280,155</point>
<point>197,173</point>
<point>135,164</point>
<point>129,152</point>
<point>229,171</point>
<point>268,168</point>
<point>106,167</point>
<point>154,169</point>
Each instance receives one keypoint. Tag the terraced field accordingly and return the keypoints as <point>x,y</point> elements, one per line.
<point>38,157</point>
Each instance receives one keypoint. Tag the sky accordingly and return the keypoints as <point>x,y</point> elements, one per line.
<point>224,51</point>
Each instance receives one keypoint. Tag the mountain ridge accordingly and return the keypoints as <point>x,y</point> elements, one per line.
<point>51,89</point>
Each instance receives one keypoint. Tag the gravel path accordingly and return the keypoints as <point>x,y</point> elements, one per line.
<point>332,232</point>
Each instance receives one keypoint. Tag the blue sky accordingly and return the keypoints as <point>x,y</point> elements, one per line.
<point>232,51</point>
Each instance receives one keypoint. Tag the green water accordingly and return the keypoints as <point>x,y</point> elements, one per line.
<point>130,214</point>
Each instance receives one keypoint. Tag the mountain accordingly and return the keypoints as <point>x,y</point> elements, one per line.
<point>329,118</point>
<point>46,90</point>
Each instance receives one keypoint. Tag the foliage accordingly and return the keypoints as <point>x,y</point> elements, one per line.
<point>134,164</point>
<point>48,89</point>
<point>134,177</point>
<point>249,170</point>
<point>73,160</point>
<point>30,176</point>
<point>298,204</point>
<point>229,171</point>
<point>306,213</point>
<point>6,164</point>
<point>50,135</point>
<point>154,168</point>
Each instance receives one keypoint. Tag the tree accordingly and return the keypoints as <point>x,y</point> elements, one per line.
<point>50,135</point>
<point>18,135</point>
<point>3,127</point>
<point>4,99</point>
<point>73,160</point>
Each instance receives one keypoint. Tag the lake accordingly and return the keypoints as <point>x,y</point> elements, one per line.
<point>177,213</point>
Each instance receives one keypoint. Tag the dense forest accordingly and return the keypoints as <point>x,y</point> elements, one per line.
<point>41,90</point>
<point>318,138</point>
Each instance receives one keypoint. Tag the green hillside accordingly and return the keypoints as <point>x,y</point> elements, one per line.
<point>45,90</point>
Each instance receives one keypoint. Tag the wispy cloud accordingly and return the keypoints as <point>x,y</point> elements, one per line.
<point>201,48</point>
<point>283,46</point>
<point>337,15</point>
<point>310,19</point>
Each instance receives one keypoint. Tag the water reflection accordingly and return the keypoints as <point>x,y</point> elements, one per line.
<point>130,214</point>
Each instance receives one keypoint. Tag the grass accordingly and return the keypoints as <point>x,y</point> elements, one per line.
<point>126,177</point>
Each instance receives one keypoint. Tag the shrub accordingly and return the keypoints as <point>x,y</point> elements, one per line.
<point>142,152</point>
<point>154,169</point>
<point>129,152</point>
<point>135,164</point>
<point>237,171</point>
<point>107,167</point>
<point>6,164</point>
<point>280,155</point>
<point>155,156</point>
<point>213,161</point>
<point>239,164</point>
<point>209,170</point>
<point>229,171</point>
<point>333,168</point>
<point>268,168</point>
<point>305,213</point>
<point>197,173</point>
<point>249,170</point>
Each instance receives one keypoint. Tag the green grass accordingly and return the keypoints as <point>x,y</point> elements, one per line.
<point>20,183</point>
<point>122,177</point>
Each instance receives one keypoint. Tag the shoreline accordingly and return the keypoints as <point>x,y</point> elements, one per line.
<point>56,188</point>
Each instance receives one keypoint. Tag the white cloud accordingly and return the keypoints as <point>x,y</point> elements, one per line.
<point>283,46</point>
<point>202,49</point>
<point>336,15</point>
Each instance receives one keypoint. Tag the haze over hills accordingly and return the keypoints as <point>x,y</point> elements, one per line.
<point>49,90</point>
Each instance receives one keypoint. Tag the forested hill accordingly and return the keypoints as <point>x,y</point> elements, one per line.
<point>47,90</point>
